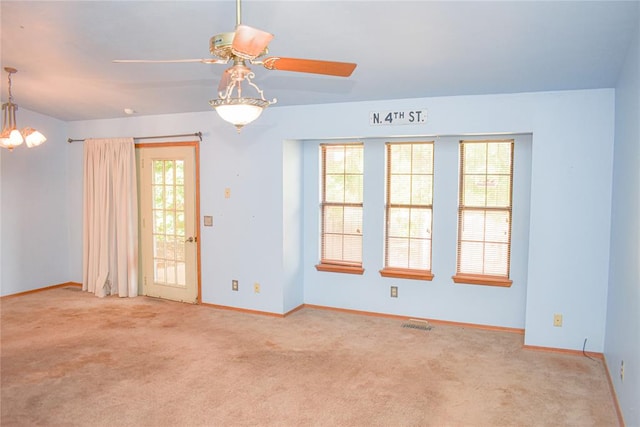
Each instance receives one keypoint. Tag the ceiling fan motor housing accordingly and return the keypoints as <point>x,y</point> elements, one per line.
<point>220,46</point>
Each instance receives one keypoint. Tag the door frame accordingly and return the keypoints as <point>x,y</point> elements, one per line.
<point>196,148</point>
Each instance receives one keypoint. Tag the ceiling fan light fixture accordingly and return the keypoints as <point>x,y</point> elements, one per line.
<point>238,110</point>
<point>245,45</point>
<point>11,137</point>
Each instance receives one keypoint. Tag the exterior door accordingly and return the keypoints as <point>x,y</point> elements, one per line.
<point>168,218</point>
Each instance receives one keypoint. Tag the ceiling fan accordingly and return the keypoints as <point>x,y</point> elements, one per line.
<point>249,45</point>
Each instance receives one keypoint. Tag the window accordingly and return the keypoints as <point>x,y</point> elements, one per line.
<point>409,198</point>
<point>484,212</point>
<point>341,208</point>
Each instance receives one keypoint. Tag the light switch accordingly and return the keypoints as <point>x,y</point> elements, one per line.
<point>227,193</point>
<point>208,221</point>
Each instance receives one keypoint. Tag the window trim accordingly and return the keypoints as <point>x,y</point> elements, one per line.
<point>340,268</point>
<point>331,265</point>
<point>405,272</point>
<point>474,278</point>
<point>482,279</point>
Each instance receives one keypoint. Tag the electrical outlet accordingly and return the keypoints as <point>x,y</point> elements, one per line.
<point>557,320</point>
<point>622,370</point>
<point>234,285</point>
<point>256,288</point>
<point>394,292</point>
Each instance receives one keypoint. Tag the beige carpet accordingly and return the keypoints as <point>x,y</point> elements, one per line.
<point>71,359</point>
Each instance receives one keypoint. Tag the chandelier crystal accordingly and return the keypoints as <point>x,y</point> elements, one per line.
<point>11,137</point>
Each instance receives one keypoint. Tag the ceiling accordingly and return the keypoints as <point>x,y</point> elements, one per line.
<point>63,50</point>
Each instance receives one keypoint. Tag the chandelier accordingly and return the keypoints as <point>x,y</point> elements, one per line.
<point>11,137</point>
<point>231,105</point>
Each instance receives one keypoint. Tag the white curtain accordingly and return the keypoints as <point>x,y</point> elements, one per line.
<point>110,218</point>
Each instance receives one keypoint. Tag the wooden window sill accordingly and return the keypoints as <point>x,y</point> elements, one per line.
<point>479,279</point>
<point>407,273</point>
<point>337,268</point>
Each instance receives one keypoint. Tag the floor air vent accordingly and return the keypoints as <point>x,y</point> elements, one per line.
<point>417,324</point>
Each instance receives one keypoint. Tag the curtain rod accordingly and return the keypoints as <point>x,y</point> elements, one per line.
<point>198,134</point>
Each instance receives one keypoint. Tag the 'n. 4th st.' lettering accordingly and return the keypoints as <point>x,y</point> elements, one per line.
<point>398,117</point>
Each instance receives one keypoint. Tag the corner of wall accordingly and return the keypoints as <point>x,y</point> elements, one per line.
<point>623,298</point>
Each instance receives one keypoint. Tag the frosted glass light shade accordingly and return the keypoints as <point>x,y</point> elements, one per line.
<point>32,137</point>
<point>238,114</point>
<point>12,140</point>
<point>239,111</point>
<point>15,138</point>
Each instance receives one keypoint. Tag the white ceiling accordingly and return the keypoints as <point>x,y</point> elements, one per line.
<point>404,49</point>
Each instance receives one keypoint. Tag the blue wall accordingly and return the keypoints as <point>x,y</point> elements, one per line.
<point>571,162</point>
<point>264,234</point>
<point>267,232</point>
<point>623,314</point>
<point>292,225</point>
<point>246,242</point>
<point>35,231</point>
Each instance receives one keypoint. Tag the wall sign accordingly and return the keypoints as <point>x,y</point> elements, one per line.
<point>404,117</point>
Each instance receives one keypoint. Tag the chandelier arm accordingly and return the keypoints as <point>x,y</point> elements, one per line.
<point>229,89</point>
<point>239,87</point>
<point>9,122</point>
<point>12,118</point>
<point>255,86</point>
<point>10,95</point>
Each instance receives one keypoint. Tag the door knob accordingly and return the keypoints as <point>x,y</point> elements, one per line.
<point>191,240</point>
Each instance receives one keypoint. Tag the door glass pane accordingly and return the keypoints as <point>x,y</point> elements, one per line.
<point>158,270</point>
<point>168,171</point>
<point>180,224</point>
<point>158,196</point>
<point>180,172</point>
<point>158,246</point>
<point>169,222</point>
<point>158,172</point>
<point>158,222</point>
<point>180,198</point>
<point>168,197</point>
<point>171,272</point>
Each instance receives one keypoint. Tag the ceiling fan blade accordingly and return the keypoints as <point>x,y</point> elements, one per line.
<point>249,42</point>
<point>331,68</point>
<point>168,61</point>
